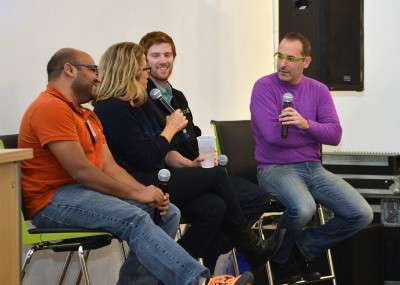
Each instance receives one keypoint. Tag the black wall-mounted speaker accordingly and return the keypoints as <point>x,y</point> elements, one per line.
<point>335,29</point>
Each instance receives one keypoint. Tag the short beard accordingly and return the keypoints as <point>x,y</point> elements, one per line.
<point>161,79</point>
<point>82,90</point>
<point>164,79</point>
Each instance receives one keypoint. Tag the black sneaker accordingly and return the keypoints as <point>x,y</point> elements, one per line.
<point>305,267</point>
<point>285,273</point>
<point>308,273</point>
<point>256,250</point>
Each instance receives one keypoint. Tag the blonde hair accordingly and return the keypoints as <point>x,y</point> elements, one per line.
<point>120,70</point>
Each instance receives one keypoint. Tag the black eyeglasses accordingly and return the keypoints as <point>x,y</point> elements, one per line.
<point>92,67</point>
<point>147,69</point>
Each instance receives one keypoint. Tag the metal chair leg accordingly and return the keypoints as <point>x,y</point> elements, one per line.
<point>123,251</point>
<point>200,260</point>
<point>328,251</point>
<point>262,236</point>
<point>269,273</point>
<point>182,229</point>
<point>65,268</point>
<point>27,260</point>
<point>268,269</point>
<point>179,233</point>
<point>330,265</point>
<point>83,256</point>
<point>235,262</point>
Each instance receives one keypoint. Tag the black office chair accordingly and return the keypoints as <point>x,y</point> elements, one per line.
<point>9,141</point>
<point>235,139</point>
<point>68,240</point>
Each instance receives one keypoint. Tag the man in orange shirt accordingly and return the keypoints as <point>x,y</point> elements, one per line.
<point>73,180</point>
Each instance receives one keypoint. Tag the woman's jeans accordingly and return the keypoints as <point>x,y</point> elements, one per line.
<point>298,187</point>
<point>154,254</point>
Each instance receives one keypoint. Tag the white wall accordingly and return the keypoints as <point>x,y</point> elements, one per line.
<point>223,47</point>
<point>371,119</point>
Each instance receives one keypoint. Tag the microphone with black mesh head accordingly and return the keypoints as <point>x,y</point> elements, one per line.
<point>163,177</point>
<point>286,102</point>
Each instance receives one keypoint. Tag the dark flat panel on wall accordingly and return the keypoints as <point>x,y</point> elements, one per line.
<point>336,32</point>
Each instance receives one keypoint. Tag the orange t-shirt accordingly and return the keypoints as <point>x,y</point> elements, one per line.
<point>53,117</point>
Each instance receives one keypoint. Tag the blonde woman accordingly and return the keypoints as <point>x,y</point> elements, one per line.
<point>141,143</point>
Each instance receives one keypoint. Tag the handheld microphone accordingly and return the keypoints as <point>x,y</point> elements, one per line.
<point>163,177</point>
<point>286,102</point>
<point>222,160</point>
<point>155,94</point>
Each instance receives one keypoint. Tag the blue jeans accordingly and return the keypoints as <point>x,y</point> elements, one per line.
<point>154,254</point>
<point>298,187</point>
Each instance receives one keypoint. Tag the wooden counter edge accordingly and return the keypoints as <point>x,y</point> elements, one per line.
<point>15,154</point>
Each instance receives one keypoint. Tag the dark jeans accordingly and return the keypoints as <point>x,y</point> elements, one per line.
<point>211,201</point>
<point>207,201</point>
<point>253,202</point>
<point>252,198</point>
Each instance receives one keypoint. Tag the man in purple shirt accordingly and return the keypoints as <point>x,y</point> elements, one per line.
<point>290,167</point>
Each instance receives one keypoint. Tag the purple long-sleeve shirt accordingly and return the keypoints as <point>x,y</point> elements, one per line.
<point>312,100</point>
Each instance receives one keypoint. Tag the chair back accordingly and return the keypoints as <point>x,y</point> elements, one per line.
<point>9,141</point>
<point>235,139</point>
